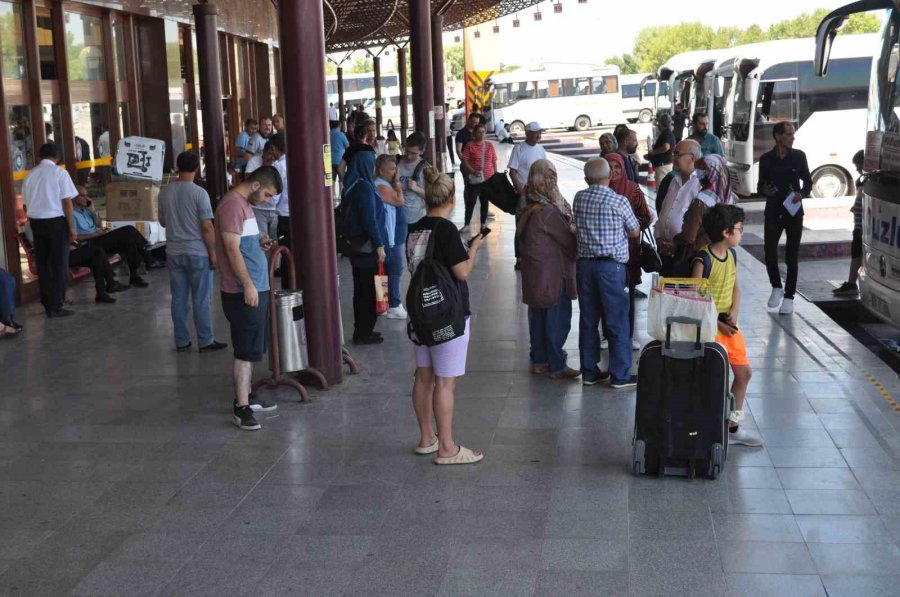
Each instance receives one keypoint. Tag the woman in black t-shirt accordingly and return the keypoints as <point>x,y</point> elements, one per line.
<point>438,367</point>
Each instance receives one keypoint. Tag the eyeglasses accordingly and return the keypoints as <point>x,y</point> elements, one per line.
<point>739,228</point>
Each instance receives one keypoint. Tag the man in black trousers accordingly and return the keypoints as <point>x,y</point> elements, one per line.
<point>48,191</point>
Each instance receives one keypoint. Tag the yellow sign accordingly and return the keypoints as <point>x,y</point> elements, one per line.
<point>482,58</point>
<point>326,158</point>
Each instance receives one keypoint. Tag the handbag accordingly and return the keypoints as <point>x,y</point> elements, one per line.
<point>478,178</point>
<point>381,290</point>
<point>650,259</point>
<point>502,193</point>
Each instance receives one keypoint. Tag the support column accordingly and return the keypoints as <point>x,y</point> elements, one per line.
<point>340,85</point>
<point>422,79</point>
<point>312,223</point>
<point>437,61</point>
<point>33,65</point>
<point>376,63</point>
<point>67,143</point>
<point>211,99</point>
<point>402,75</point>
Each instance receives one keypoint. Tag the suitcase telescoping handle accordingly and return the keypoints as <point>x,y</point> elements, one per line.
<point>682,350</point>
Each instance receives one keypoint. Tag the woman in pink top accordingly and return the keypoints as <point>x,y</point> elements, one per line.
<point>479,161</point>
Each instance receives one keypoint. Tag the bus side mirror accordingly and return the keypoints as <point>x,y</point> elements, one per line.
<point>826,33</point>
<point>720,86</point>
<point>751,90</point>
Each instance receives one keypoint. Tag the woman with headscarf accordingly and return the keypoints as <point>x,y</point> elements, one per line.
<point>715,187</point>
<point>607,144</point>
<point>618,182</point>
<point>369,219</point>
<point>547,253</point>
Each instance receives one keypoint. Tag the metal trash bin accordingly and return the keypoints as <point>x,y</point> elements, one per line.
<point>291,329</point>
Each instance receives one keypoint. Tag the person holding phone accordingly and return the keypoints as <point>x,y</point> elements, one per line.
<point>387,181</point>
<point>784,180</point>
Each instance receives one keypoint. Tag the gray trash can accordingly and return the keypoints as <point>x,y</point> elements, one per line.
<point>291,329</point>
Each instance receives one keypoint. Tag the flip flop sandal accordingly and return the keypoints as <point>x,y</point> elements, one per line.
<point>428,449</point>
<point>464,456</point>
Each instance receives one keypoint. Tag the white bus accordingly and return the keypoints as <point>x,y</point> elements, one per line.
<point>358,87</point>
<point>775,82</point>
<point>880,274</point>
<point>681,73</point>
<point>561,97</point>
<point>638,97</point>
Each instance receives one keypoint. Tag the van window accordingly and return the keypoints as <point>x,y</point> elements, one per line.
<point>631,91</point>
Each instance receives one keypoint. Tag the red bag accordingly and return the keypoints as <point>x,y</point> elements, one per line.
<point>381,290</point>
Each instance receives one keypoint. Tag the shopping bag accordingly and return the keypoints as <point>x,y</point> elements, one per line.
<point>682,297</point>
<point>381,290</point>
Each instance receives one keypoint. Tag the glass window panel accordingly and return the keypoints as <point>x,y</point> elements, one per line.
<point>13,46</point>
<point>84,47</point>
<point>124,119</point>
<point>52,115</point>
<point>46,47</point>
<point>91,124</point>
<point>118,34</point>
<point>20,144</point>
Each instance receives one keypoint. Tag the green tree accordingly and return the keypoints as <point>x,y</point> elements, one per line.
<point>455,62</point>
<point>864,22</point>
<point>362,64</point>
<point>626,63</point>
<point>330,68</point>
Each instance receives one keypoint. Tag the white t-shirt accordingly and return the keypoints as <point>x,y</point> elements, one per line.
<point>522,157</point>
<point>282,206</point>
<point>333,113</point>
<point>676,203</point>
<point>255,163</point>
<point>44,189</point>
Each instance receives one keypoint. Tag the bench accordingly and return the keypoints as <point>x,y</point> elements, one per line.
<point>75,273</point>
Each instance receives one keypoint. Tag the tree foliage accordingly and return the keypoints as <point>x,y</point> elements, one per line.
<point>454,62</point>
<point>362,64</point>
<point>654,45</point>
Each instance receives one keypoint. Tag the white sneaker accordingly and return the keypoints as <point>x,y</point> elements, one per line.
<point>397,312</point>
<point>604,344</point>
<point>775,297</point>
<point>635,345</point>
<point>787,307</point>
<point>745,437</point>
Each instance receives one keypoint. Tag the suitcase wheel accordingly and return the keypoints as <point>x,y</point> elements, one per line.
<point>716,460</point>
<point>639,460</point>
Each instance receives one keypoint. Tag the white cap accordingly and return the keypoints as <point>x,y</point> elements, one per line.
<point>533,127</point>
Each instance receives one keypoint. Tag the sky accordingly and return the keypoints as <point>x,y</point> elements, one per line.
<point>592,32</point>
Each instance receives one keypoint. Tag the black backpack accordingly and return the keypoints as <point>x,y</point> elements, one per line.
<point>343,221</point>
<point>434,302</point>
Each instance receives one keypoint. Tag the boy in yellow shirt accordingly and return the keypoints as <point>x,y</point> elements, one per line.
<point>724,225</point>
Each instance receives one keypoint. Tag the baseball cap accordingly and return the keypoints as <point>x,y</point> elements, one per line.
<point>533,127</point>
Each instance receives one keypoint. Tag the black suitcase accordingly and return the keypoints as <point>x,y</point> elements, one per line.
<point>683,402</point>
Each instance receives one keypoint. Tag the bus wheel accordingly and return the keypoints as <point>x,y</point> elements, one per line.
<point>582,123</point>
<point>830,181</point>
<point>517,128</point>
<point>645,116</point>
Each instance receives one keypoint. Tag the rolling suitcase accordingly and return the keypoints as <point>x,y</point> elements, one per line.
<point>683,402</point>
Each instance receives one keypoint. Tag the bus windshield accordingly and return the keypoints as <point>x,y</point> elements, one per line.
<point>884,103</point>
<point>743,111</point>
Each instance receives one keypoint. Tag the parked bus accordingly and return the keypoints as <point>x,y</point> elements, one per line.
<point>880,275</point>
<point>359,87</point>
<point>560,97</point>
<point>681,73</point>
<point>775,82</point>
<point>639,105</point>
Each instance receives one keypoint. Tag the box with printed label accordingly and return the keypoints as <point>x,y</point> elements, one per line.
<point>130,201</point>
<point>152,231</point>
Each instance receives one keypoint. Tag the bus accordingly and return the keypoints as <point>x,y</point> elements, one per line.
<point>638,105</point>
<point>684,83</point>
<point>359,87</point>
<point>879,277</point>
<point>774,82</point>
<point>568,96</point>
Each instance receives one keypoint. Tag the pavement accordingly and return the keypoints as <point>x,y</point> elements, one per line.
<point>123,475</point>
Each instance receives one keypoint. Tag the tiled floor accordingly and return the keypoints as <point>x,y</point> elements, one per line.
<point>122,474</point>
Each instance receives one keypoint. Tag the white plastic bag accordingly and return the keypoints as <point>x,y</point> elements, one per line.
<point>684,297</point>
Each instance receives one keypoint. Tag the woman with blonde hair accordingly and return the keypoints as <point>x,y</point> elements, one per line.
<point>547,252</point>
<point>438,367</point>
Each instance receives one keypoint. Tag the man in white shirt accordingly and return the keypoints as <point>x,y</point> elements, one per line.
<point>333,114</point>
<point>48,191</point>
<point>682,191</point>
<point>258,140</point>
<point>524,155</point>
<point>266,212</point>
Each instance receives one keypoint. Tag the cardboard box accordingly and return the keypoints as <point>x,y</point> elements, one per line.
<point>152,231</point>
<point>132,201</point>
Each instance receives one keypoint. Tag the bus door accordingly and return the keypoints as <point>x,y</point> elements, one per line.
<point>776,102</point>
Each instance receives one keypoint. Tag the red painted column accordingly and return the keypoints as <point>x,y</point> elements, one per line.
<point>379,119</point>
<point>422,79</point>
<point>437,61</point>
<point>211,100</point>
<point>312,218</point>
<point>402,75</point>
<point>340,85</point>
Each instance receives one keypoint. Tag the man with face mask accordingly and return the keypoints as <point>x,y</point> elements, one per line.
<point>245,284</point>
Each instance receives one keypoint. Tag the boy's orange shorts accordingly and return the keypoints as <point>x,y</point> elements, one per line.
<point>736,347</point>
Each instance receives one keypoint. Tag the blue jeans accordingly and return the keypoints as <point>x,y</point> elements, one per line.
<point>600,294</point>
<point>549,329</point>
<point>191,277</point>
<point>393,267</point>
<point>7,297</point>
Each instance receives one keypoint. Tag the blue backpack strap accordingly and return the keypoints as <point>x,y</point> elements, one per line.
<point>734,255</point>
<point>707,262</point>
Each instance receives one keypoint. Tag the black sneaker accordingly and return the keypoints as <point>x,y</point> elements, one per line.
<point>372,339</point>
<point>846,289</point>
<point>213,347</point>
<point>139,282</point>
<point>594,377</point>
<point>621,384</point>
<point>243,418</point>
<point>104,298</point>
<point>117,287</point>
<point>185,348</point>
<point>60,313</point>
<point>257,404</point>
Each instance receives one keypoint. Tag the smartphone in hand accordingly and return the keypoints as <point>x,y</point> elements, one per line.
<point>484,232</point>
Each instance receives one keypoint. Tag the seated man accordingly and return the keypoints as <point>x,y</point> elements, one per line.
<point>126,241</point>
<point>96,258</point>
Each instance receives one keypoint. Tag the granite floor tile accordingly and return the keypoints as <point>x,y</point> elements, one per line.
<point>477,581</point>
<point>552,583</point>
<point>774,585</point>
<point>829,501</point>
<point>602,521</point>
<point>807,457</point>
<point>843,529</point>
<point>817,478</point>
<point>120,578</point>
<point>773,528</point>
<point>496,554</point>
<point>839,585</point>
<point>763,557</point>
<point>584,555</point>
<point>855,559</point>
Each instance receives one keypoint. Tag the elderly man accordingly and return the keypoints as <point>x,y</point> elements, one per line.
<point>682,190</point>
<point>709,143</point>
<point>604,222</point>
<point>258,140</point>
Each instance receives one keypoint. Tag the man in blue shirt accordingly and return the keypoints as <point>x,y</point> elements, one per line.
<point>339,144</point>
<point>126,240</point>
<point>243,140</point>
<point>709,143</point>
<point>604,222</point>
